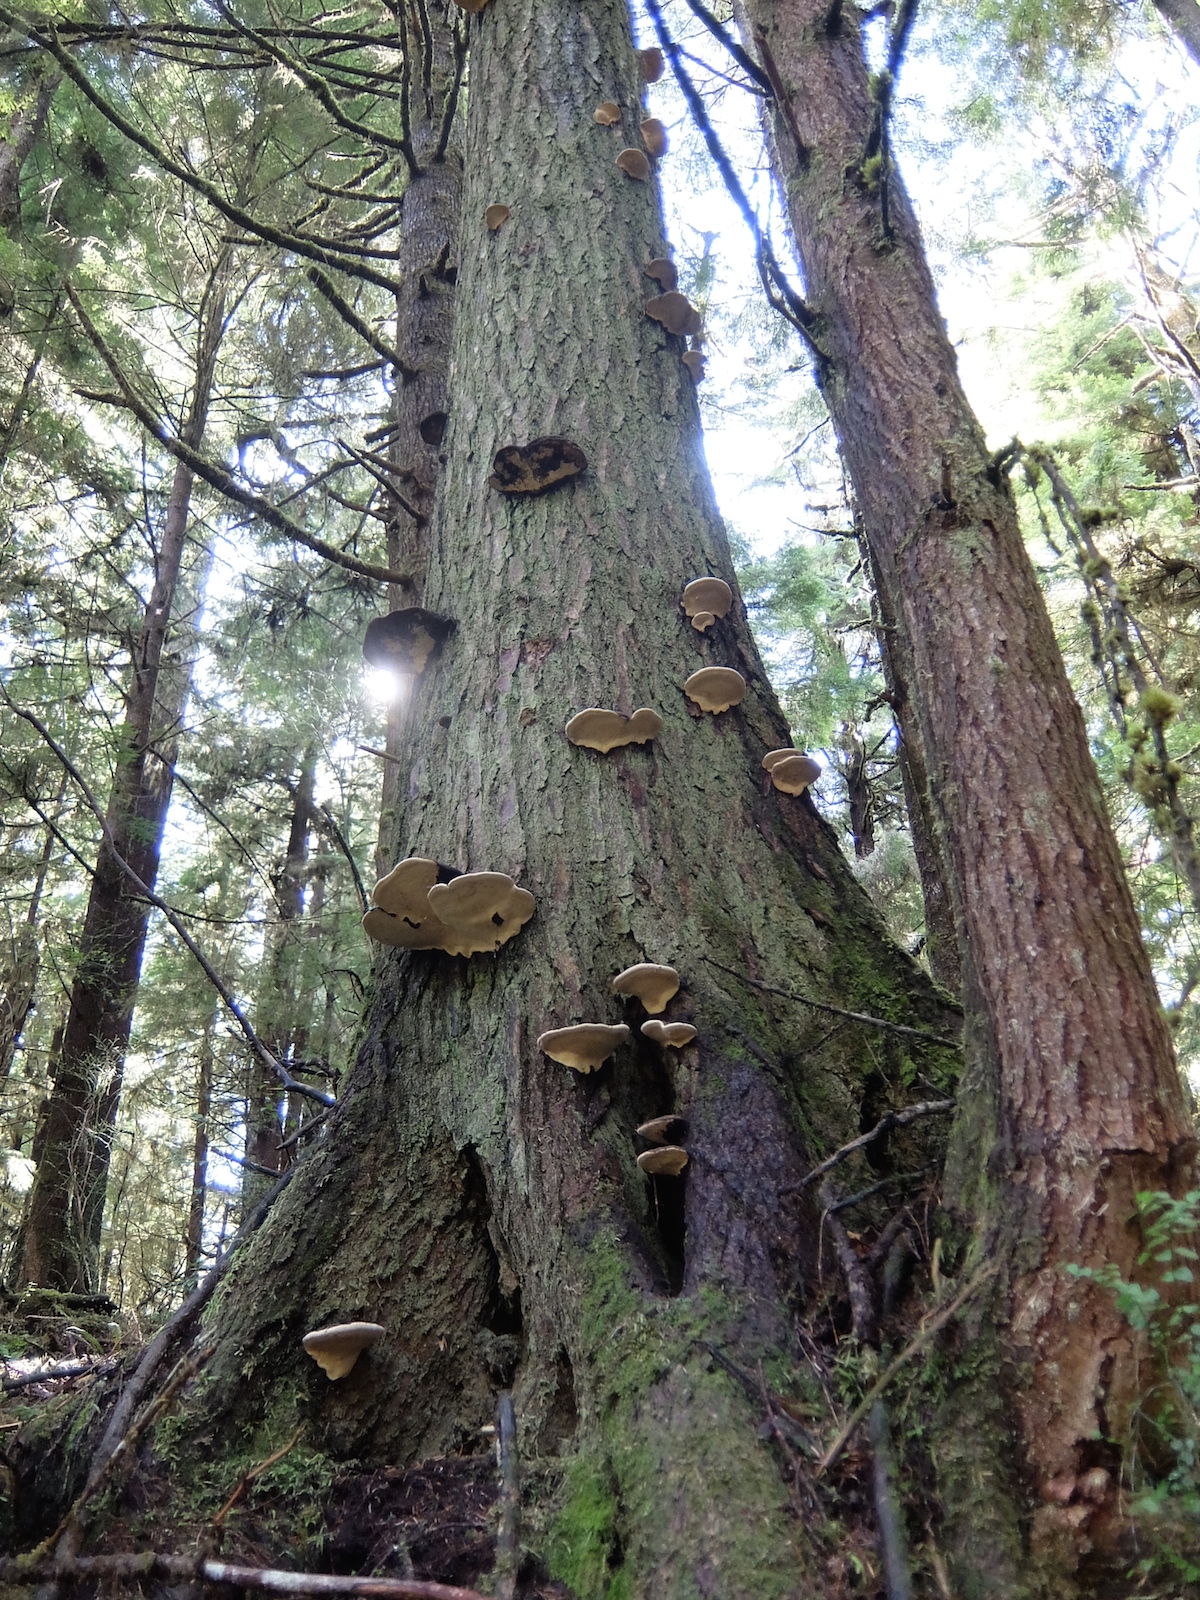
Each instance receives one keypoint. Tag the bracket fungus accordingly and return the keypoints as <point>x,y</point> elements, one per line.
<point>584,1047</point>
<point>674,1034</point>
<point>654,136</point>
<point>706,594</point>
<point>336,1349</point>
<point>597,729</point>
<point>652,64</point>
<point>675,311</point>
<point>662,1130</point>
<point>413,912</point>
<point>403,641</point>
<point>791,770</point>
<point>537,466</point>
<point>667,1161</point>
<point>607,114</point>
<point>694,362</point>
<point>653,985</point>
<point>703,620</point>
<point>634,164</point>
<point>664,272</point>
<point>482,910</point>
<point>715,689</point>
<point>496,216</point>
<point>470,5</point>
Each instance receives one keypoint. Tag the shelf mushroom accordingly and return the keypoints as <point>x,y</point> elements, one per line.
<point>652,984</point>
<point>675,312</point>
<point>607,114</point>
<point>662,1130</point>
<point>473,913</point>
<point>715,689</point>
<point>674,1034</point>
<point>336,1349</point>
<point>667,1161</point>
<point>791,770</point>
<point>537,466</point>
<point>585,1046</point>
<point>634,164</point>
<point>496,216</point>
<point>663,271</point>
<point>711,595</point>
<point>597,729</point>
<point>654,136</point>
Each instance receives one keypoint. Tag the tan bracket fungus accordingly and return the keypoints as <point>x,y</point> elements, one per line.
<point>791,770</point>
<point>702,621</point>
<point>405,640</point>
<point>664,272</point>
<point>584,1047</point>
<point>537,466</point>
<point>336,1349</point>
<point>668,1162</point>
<point>663,1130</point>
<point>597,729</point>
<point>607,114</point>
<point>715,689</point>
<point>653,985</point>
<point>674,1034</point>
<point>654,136</point>
<point>694,362</point>
<point>496,216</point>
<point>706,594</point>
<point>415,911</point>
<point>470,5</point>
<point>652,64</point>
<point>676,313</point>
<point>634,164</point>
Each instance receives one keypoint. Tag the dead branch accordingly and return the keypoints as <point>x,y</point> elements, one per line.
<point>61,1369</point>
<point>151,1564</point>
<point>894,1119</point>
<point>252,1473</point>
<point>838,1011</point>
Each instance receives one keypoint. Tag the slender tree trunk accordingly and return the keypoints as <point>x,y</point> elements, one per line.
<point>21,975</point>
<point>480,1201</point>
<point>194,1238</point>
<point>277,1020</point>
<point>1183,18</point>
<point>1071,1102</point>
<point>26,124</point>
<point>67,1200</point>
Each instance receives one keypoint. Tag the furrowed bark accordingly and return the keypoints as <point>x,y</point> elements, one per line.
<point>1071,1102</point>
<point>480,1201</point>
<point>66,1205</point>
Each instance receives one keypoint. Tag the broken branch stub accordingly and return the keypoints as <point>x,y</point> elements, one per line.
<point>607,114</point>
<point>715,689</point>
<point>537,466</point>
<point>676,313</point>
<point>597,729</point>
<point>634,164</point>
<point>405,640</point>
<point>654,136</point>
<point>585,1047</point>
<point>664,272</point>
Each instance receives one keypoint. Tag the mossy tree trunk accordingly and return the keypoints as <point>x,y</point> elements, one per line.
<point>480,1201</point>
<point>1071,1103</point>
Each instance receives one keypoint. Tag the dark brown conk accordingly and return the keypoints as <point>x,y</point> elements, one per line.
<point>535,467</point>
<point>404,641</point>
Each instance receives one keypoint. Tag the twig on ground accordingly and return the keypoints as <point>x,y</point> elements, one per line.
<point>63,1369</point>
<point>150,1564</point>
<point>252,1473</point>
<point>508,1535</point>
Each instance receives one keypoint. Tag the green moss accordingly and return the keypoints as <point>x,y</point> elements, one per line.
<point>583,1539</point>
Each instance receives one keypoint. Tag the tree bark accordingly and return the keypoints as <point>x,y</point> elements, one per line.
<point>1071,1102</point>
<point>1183,18</point>
<point>194,1237</point>
<point>27,122</point>
<point>478,1200</point>
<point>66,1205</point>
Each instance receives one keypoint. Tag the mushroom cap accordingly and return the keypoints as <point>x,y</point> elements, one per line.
<point>607,113</point>
<point>404,640</point>
<point>496,215</point>
<point>654,136</point>
<point>675,311</point>
<point>480,911</point>
<point>694,362</point>
<point>707,594</point>
<point>668,1161</point>
<point>715,689</point>
<point>652,64</point>
<point>607,730</point>
<point>675,1034</point>
<point>703,620</point>
<point>774,757</point>
<point>336,1349</point>
<point>584,1047</point>
<point>794,774</point>
<point>537,466</point>
<point>659,1130</point>
<point>653,985</point>
<point>402,915</point>
<point>663,271</point>
<point>470,5</point>
<point>634,164</point>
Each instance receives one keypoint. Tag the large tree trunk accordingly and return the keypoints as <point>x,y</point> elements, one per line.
<point>1071,1103</point>
<point>1183,18</point>
<point>66,1205</point>
<point>480,1201</point>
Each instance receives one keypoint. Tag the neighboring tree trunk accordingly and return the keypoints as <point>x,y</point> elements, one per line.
<point>427,267</point>
<point>66,1205</point>
<point>1183,18</point>
<point>194,1238</point>
<point>21,974</point>
<point>480,1201</point>
<point>277,1021</point>
<point>27,122</point>
<point>1071,1103</point>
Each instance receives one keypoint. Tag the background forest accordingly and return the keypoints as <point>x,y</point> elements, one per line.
<point>200,277</point>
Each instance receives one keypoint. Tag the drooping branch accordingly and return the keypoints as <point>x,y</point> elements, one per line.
<point>720,32</point>
<point>894,1119</point>
<point>367,334</point>
<point>840,1011</point>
